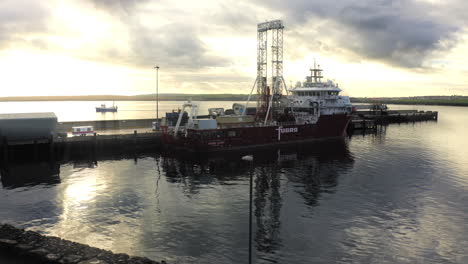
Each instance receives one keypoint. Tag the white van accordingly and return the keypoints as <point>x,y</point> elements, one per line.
<point>82,130</point>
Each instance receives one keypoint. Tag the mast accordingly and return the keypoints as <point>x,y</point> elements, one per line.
<point>269,95</point>
<point>316,74</point>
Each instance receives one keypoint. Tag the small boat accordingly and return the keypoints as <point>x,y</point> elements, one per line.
<point>104,108</point>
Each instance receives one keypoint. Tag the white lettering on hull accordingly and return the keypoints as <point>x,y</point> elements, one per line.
<point>284,130</point>
<point>289,130</point>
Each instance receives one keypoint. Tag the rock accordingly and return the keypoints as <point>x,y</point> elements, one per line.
<point>10,232</point>
<point>39,252</point>
<point>7,243</point>
<point>106,256</point>
<point>30,237</point>
<point>71,259</point>
<point>140,260</point>
<point>53,257</point>
<point>121,258</point>
<point>24,247</point>
<point>89,252</point>
<point>92,261</point>
<point>48,249</point>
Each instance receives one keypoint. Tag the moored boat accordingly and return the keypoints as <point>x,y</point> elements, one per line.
<point>312,110</point>
<point>104,108</point>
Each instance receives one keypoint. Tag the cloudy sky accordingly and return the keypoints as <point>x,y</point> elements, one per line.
<point>370,47</point>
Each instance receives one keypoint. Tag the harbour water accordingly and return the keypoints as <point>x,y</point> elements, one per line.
<point>86,110</point>
<point>399,195</point>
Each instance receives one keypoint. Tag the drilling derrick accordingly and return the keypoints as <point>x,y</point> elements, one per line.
<point>269,94</point>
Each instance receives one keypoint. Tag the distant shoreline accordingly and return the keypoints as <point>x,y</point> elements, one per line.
<point>430,100</point>
<point>117,100</point>
<point>171,97</point>
<point>409,101</point>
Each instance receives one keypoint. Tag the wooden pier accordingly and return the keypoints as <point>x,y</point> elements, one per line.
<point>362,124</point>
<point>368,120</point>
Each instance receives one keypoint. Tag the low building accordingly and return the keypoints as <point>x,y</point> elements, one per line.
<point>28,126</point>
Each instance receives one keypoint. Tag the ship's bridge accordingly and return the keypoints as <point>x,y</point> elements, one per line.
<point>315,91</point>
<point>313,98</point>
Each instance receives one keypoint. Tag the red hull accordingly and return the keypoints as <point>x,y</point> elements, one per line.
<point>328,126</point>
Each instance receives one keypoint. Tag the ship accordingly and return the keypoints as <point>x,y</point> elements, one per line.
<point>311,110</point>
<point>104,108</point>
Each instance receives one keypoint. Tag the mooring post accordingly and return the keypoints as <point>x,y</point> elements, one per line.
<point>249,158</point>
<point>250,214</point>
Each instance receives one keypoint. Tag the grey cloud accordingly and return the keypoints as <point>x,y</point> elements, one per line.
<point>176,45</point>
<point>117,5</point>
<point>399,32</point>
<point>234,16</point>
<point>18,19</point>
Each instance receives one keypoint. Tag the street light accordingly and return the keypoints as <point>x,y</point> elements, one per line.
<point>249,158</point>
<point>157,94</point>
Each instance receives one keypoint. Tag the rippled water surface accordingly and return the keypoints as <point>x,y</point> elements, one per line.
<point>397,196</point>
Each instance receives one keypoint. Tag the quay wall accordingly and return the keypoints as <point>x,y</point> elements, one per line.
<point>76,147</point>
<point>106,124</point>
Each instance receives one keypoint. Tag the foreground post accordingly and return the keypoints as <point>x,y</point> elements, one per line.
<point>250,159</point>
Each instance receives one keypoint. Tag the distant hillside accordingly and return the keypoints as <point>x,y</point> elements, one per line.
<point>416,100</point>
<point>146,97</point>
<point>422,100</point>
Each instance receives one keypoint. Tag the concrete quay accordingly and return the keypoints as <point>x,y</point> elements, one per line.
<point>73,147</point>
<point>98,125</point>
<point>20,246</point>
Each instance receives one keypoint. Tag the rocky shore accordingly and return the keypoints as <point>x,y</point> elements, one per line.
<point>31,247</point>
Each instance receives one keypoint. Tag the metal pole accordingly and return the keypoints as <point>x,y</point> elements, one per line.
<point>249,158</point>
<point>157,93</point>
<point>248,98</point>
<point>250,214</point>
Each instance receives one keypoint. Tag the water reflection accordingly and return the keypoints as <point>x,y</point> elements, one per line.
<point>15,175</point>
<point>268,203</point>
<point>85,164</point>
<point>312,169</point>
<point>194,172</point>
<point>392,196</point>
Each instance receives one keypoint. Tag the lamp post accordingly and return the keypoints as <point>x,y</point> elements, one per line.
<point>157,94</point>
<point>249,158</point>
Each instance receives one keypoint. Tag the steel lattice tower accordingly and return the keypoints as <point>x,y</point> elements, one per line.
<point>269,94</point>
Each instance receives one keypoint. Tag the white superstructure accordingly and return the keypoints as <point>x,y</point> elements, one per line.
<point>312,98</point>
